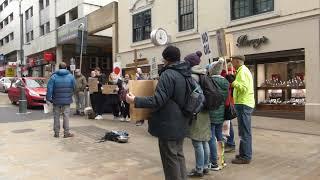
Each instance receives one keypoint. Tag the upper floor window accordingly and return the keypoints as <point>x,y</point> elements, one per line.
<point>245,8</point>
<point>41,5</point>
<point>11,17</point>
<point>42,32</point>
<point>1,7</point>
<point>29,13</point>
<point>6,21</point>
<point>47,27</point>
<point>5,3</point>
<point>6,39</point>
<point>1,42</point>
<point>186,14</point>
<point>11,36</point>
<point>141,26</point>
<point>1,25</point>
<point>61,20</point>
<point>31,35</point>
<point>47,3</point>
<point>73,14</point>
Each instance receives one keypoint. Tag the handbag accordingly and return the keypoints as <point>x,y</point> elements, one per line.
<point>229,111</point>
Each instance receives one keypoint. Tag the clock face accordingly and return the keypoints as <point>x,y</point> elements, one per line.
<point>161,37</point>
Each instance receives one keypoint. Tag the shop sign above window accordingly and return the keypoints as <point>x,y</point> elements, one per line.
<point>244,41</point>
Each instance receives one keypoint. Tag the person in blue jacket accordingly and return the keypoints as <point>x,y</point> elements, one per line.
<point>60,89</point>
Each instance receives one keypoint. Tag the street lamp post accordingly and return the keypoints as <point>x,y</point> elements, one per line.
<point>21,37</point>
<point>81,26</point>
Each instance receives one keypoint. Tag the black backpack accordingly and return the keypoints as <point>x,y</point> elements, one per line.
<point>213,97</point>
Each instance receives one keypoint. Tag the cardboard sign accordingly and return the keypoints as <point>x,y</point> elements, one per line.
<point>141,88</point>
<point>93,84</point>
<point>205,40</point>
<point>109,89</point>
<point>221,42</point>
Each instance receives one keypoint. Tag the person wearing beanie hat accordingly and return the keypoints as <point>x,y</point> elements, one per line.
<point>171,54</point>
<point>217,116</point>
<point>168,123</point>
<point>194,58</point>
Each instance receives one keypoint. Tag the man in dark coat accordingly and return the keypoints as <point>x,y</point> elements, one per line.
<point>60,89</point>
<point>168,122</point>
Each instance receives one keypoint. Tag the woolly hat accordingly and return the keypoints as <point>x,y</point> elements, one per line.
<point>216,67</point>
<point>171,53</point>
<point>194,58</point>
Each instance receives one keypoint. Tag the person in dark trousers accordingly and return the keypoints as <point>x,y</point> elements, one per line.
<point>125,107</point>
<point>79,95</point>
<point>60,89</point>
<point>168,123</point>
<point>139,76</point>
<point>99,97</point>
<point>243,94</point>
<point>115,98</point>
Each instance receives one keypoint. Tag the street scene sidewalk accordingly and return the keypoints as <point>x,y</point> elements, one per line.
<point>283,149</point>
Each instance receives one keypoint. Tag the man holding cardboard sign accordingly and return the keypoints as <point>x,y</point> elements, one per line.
<point>168,122</point>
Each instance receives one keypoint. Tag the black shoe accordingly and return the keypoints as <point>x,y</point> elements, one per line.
<point>214,167</point>
<point>67,135</point>
<point>56,135</point>
<point>229,149</point>
<point>205,171</point>
<point>240,160</point>
<point>195,173</point>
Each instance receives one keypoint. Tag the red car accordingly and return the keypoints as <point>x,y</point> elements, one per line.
<point>35,89</point>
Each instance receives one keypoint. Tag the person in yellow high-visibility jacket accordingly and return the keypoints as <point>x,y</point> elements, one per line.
<point>243,94</point>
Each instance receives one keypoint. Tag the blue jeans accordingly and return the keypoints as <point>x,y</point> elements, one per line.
<point>244,127</point>
<point>230,139</point>
<point>216,135</point>
<point>202,151</point>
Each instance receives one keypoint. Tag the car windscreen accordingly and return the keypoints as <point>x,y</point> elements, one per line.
<point>36,83</point>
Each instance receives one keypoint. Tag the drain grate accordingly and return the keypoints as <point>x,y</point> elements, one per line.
<point>20,131</point>
<point>92,132</point>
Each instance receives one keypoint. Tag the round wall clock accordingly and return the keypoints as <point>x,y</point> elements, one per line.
<point>159,37</point>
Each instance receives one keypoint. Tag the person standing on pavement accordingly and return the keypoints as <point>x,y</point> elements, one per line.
<point>124,106</point>
<point>243,94</point>
<point>115,98</point>
<point>139,76</point>
<point>168,122</point>
<point>60,89</point>
<point>217,116</point>
<point>199,130</point>
<point>99,97</point>
<point>81,84</point>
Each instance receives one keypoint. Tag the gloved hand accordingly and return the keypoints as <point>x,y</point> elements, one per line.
<point>230,78</point>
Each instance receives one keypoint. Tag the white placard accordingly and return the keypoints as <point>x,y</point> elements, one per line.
<point>117,69</point>
<point>72,67</point>
<point>205,40</point>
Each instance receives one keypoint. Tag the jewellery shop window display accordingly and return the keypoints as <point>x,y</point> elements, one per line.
<point>281,86</point>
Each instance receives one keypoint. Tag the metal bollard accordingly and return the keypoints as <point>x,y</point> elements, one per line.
<point>22,101</point>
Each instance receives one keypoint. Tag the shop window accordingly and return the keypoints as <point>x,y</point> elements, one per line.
<point>61,20</point>
<point>11,17</point>
<point>245,8</point>
<point>73,14</point>
<point>41,5</point>
<point>47,3</point>
<point>47,27</point>
<point>186,14</point>
<point>42,30</point>
<point>11,36</point>
<point>141,26</point>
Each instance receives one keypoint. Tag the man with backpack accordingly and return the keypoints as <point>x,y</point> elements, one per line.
<point>243,94</point>
<point>168,122</point>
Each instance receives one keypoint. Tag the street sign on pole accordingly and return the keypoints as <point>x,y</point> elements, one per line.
<point>205,40</point>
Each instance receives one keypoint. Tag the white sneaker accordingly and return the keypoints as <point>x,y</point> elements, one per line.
<point>122,119</point>
<point>99,117</point>
<point>127,119</point>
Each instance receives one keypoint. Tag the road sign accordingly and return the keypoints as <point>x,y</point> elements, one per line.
<point>72,67</point>
<point>10,72</point>
<point>154,68</point>
<point>205,40</point>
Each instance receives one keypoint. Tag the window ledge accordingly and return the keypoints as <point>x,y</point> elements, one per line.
<point>139,43</point>
<point>186,33</point>
<point>254,18</point>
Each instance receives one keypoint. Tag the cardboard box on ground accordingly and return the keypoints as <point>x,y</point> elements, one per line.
<point>93,84</point>
<point>141,88</point>
<point>109,89</point>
